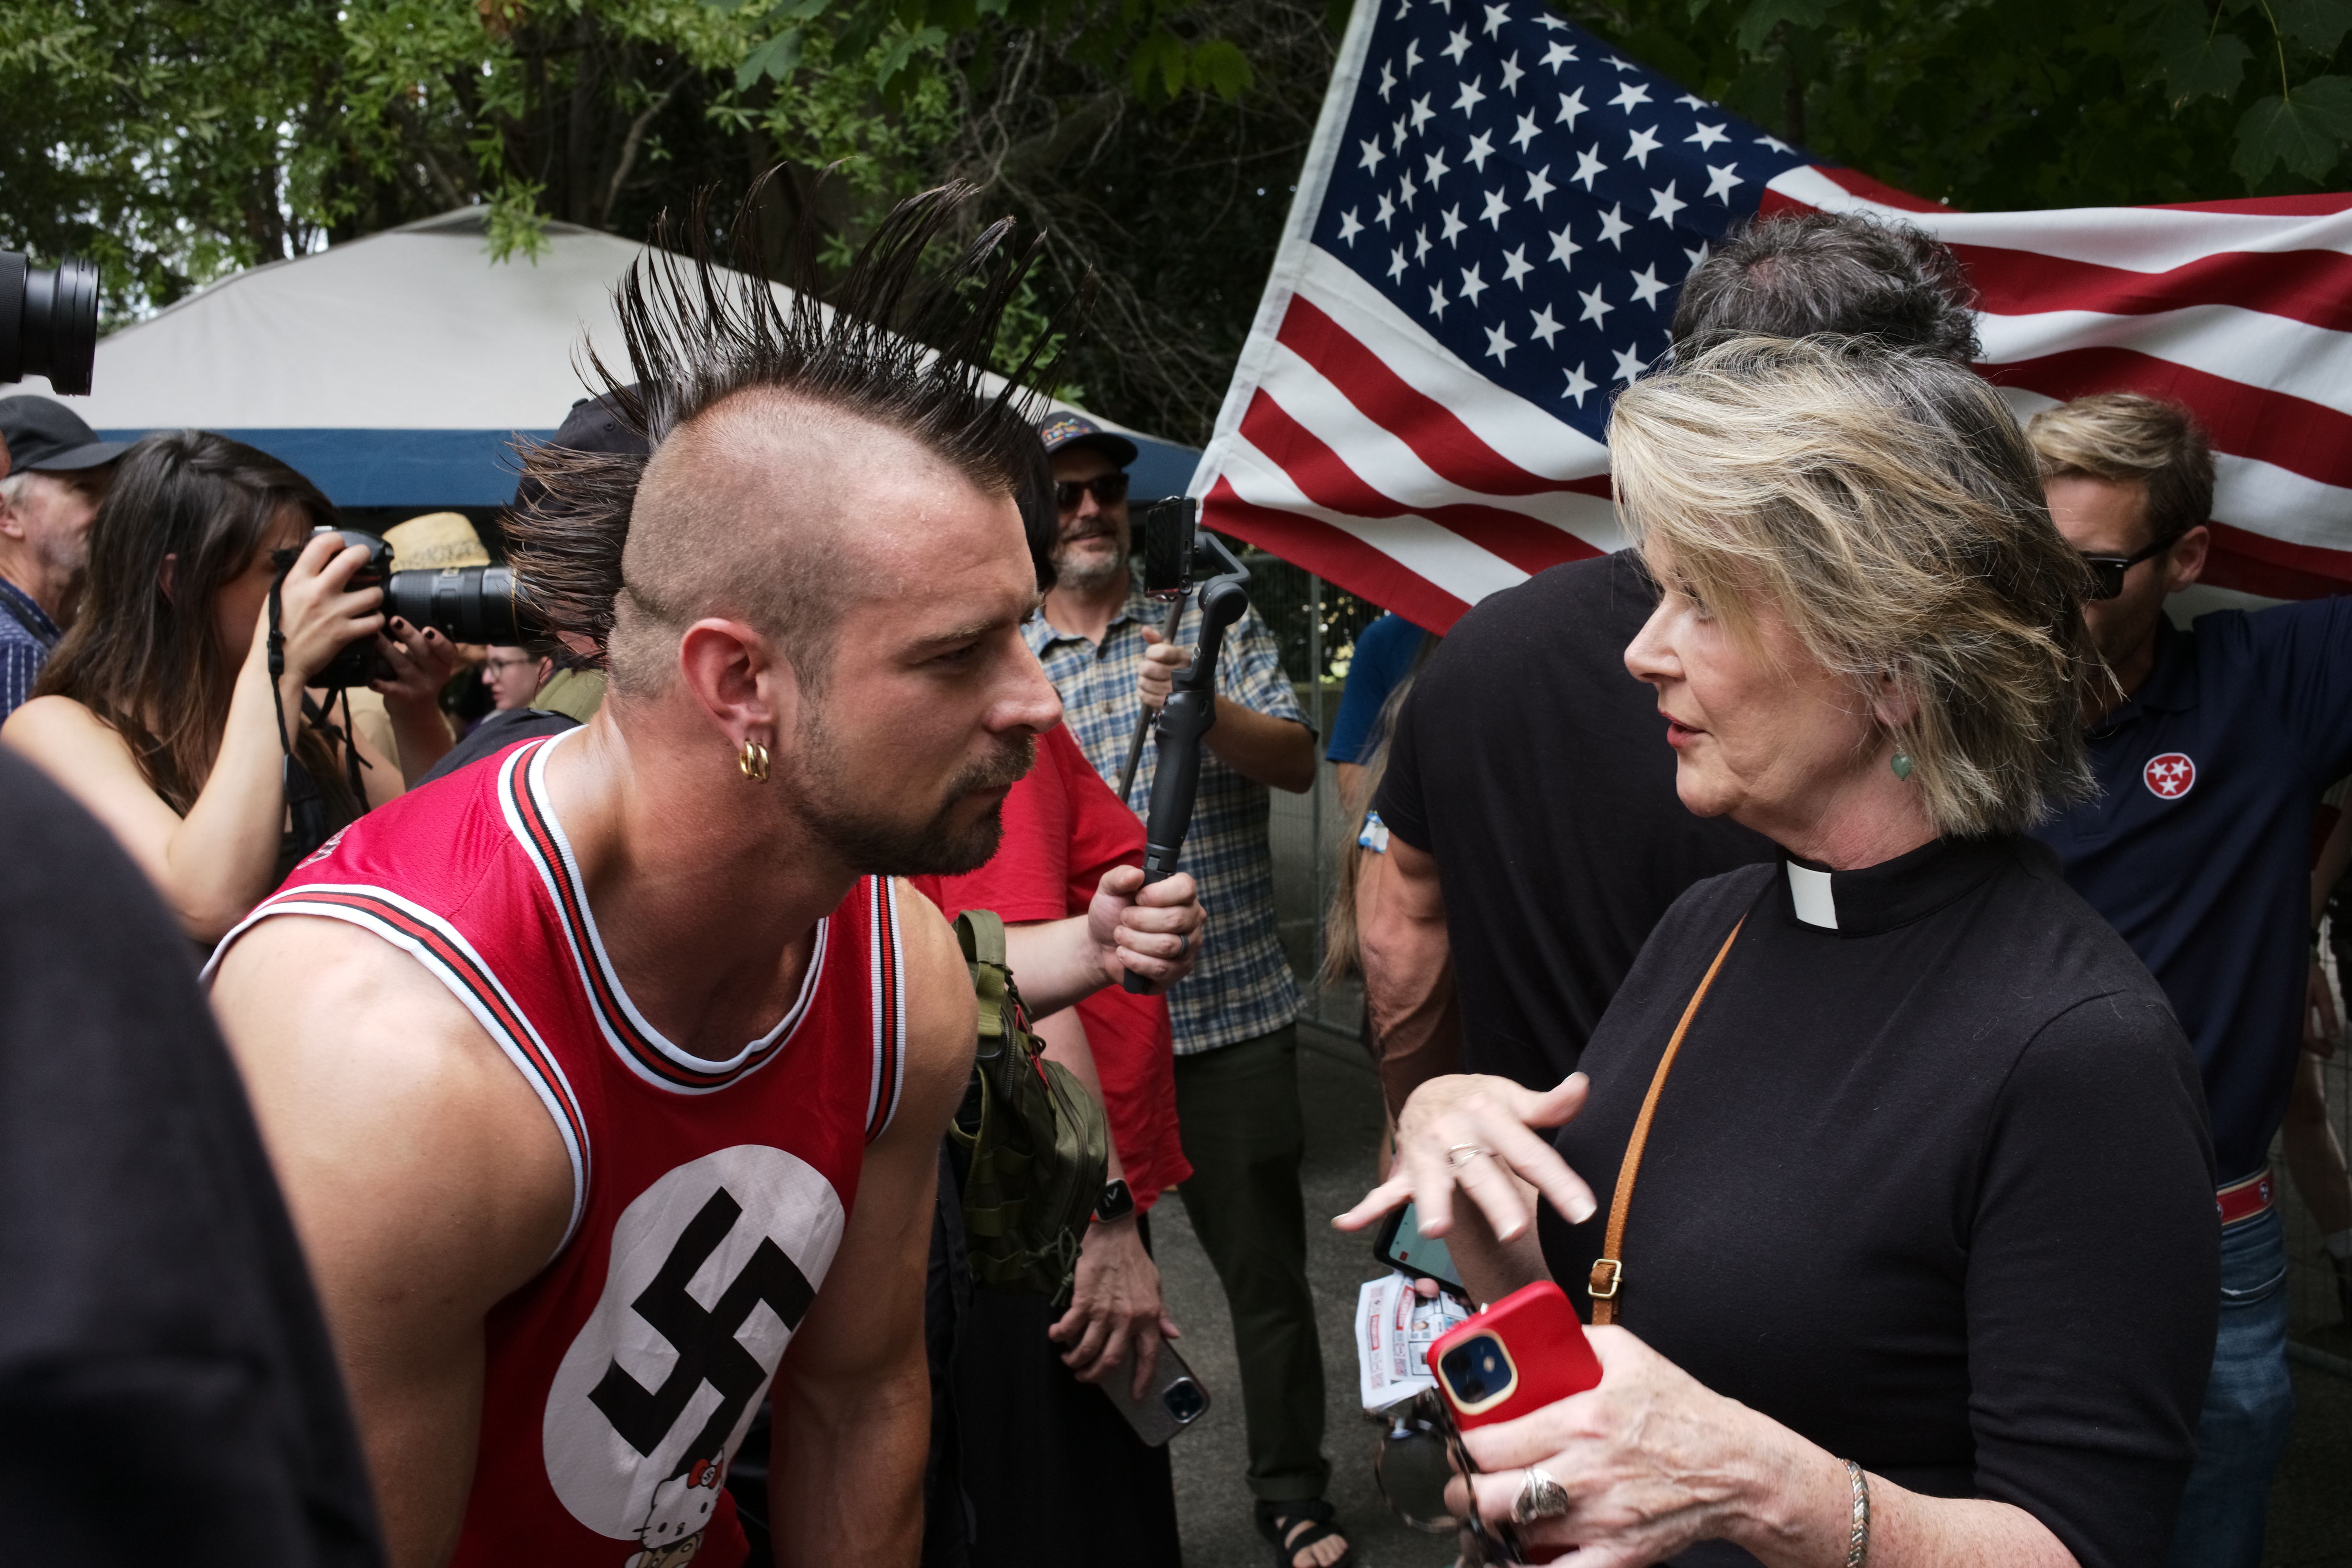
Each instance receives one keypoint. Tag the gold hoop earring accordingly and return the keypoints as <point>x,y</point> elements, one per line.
<point>753,761</point>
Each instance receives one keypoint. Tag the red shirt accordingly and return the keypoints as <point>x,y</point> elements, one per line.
<point>1063,829</point>
<point>708,1198</point>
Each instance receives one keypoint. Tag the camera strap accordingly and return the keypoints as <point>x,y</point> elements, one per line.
<point>1609,1268</point>
<point>306,807</point>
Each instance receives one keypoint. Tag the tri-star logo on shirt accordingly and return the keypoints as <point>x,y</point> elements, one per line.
<point>2170,776</point>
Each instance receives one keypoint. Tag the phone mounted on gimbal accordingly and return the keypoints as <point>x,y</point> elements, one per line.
<point>1177,555</point>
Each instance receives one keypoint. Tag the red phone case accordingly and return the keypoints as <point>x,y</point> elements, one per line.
<point>1549,1359</point>
<point>1547,1353</point>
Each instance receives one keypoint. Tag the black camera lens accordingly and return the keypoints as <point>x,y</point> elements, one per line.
<point>49,321</point>
<point>1477,1370</point>
<point>469,604</point>
<point>1184,1401</point>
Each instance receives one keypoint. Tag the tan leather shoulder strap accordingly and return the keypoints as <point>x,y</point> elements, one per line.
<point>1609,1268</point>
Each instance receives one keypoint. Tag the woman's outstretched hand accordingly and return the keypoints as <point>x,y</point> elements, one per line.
<point>1473,1131</point>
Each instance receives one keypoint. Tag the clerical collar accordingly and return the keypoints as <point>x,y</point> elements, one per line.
<point>1894,892</point>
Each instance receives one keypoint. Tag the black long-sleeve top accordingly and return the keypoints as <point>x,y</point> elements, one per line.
<point>1933,1188</point>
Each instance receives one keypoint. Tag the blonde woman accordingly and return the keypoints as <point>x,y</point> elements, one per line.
<point>1864,1294</point>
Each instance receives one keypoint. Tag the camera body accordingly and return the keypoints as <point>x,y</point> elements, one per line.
<point>466,603</point>
<point>49,321</point>
<point>1168,534</point>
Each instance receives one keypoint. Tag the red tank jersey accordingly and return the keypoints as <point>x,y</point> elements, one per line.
<point>708,1198</point>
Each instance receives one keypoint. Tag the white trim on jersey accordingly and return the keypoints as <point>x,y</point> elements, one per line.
<point>553,1089</point>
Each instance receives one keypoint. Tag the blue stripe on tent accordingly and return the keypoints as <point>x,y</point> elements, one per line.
<point>476,467</point>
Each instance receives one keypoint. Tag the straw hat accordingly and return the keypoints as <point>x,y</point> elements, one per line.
<point>435,541</point>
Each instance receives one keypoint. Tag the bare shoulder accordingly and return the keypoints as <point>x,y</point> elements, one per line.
<point>59,731</point>
<point>402,1133</point>
<point>942,1019</point>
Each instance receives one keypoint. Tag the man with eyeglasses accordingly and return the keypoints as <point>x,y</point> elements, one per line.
<point>1242,1126</point>
<point>2211,751</point>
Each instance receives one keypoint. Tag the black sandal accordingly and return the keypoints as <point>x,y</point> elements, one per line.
<point>1292,1527</point>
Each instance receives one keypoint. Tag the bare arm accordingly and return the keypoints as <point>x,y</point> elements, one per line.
<point>214,864</point>
<point>1116,1304</point>
<point>1129,928</point>
<point>424,1179</point>
<point>1408,961</point>
<point>853,1405</point>
<point>1277,753</point>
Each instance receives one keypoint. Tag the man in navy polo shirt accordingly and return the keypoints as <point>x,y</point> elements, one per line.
<point>2212,754</point>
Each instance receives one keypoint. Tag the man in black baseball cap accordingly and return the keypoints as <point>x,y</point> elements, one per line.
<point>56,474</point>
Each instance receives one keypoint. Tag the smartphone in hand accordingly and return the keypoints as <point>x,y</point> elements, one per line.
<point>1174,1400</point>
<point>1525,1352</point>
<point>1401,1245</point>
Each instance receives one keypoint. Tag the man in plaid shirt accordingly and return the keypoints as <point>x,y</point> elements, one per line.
<point>1236,1039</point>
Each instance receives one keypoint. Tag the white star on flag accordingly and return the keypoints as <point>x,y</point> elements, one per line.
<point>1421,112</point>
<point>1629,363</point>
<point>1645,142</point>
<point>1437,301</point>
<point>1613,227</point>
<point>1471,97</point>
<point>1419,245</point>
<point>1538,188</point>
<point>1411,56</point>
<point>1495,209</point>
<point>1386,213</point>
<point>1396,265</point>
<point>1595,307</point>
<point>1453,226</point>
<point>1664,204</point>
<point>1571,104</point>
<point>1481,147</point>
<point>1562,248</point>
<point>1577,385</point>
<point>1707,135</point>
<point>1558,55</point>
<point>1499,347</point>
<point>1629,94</point>
<point>1545,327</point>
<point>1388,82</point>
<point>1589,166</point>
<point>1374,154</point>
<point>1516,265</point>
<point>1646,286</point>
<point>1434,168</point>
<point>1527,132</point>
<point>1774,142</point>
<point>1511,75</point>
<point>1457,46</point>
<point>1472,285</point>
<point>1349,227</point>
<point>1495,17</point>
<point>1720,181</point>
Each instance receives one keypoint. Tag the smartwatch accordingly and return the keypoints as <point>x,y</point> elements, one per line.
<point>1115,1203</point>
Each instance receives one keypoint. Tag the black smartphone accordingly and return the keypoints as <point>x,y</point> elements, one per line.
<point>1174,1400</point>
<point>1400,1245</point>
<point>1166,533</point>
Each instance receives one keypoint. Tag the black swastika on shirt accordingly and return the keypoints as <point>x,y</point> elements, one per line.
<point>708,1350</point>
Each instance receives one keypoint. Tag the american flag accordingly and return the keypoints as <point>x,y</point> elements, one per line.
<point>1491,227</point>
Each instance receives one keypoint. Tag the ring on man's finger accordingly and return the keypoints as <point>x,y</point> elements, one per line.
<point>1540,1497</point>
<point>1460,1154</point>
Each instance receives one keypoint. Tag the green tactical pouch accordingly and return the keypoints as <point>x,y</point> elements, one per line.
<point>1029,1143</point>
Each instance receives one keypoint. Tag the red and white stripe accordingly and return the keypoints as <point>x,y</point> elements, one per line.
<point>1354,443</point>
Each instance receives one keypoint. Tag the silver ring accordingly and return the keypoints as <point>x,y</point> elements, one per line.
<point>1540,1497</point>
<point>1460,1154</point>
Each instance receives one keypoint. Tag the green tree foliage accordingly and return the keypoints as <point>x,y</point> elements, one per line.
<point>1157,141</point>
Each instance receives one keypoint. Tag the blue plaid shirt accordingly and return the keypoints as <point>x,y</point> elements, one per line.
<point>26,635</point>
<point>1242,986</point>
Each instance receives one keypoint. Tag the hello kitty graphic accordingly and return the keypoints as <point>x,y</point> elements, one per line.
<point>672,1533</point>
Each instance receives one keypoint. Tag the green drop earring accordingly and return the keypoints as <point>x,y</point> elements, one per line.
<point>1901,763</point>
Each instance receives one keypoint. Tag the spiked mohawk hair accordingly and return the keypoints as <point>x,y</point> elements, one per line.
<point>901,343</point>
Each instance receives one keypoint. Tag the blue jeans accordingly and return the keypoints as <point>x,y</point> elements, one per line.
<point>2249,1405</point>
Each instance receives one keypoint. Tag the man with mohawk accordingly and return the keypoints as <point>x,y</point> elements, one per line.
<point>606,1082</point>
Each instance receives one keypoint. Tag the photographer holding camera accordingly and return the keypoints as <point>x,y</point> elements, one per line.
<point>157,711</point>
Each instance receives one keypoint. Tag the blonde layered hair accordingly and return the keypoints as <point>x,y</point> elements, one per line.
<point>2125,438</point>
<point>1887,507</point>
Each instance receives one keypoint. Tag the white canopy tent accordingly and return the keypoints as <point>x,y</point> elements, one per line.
<point>396,371</point>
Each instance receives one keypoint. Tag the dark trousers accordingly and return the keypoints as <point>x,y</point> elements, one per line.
<point>1246,1136</point>
<point>1055,1476</point>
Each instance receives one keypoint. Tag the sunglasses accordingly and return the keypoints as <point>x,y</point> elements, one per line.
<point>1110,489</point>
<point>1419,1453</point>
<point>2107,571</point>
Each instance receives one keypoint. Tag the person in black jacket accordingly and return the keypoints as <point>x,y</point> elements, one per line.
<point>1864,1294</point>
<point>167,1392</point>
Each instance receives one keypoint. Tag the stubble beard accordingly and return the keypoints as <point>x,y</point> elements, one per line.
<point>836,812</point>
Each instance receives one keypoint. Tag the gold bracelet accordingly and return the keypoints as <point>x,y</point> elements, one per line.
<point>1857,1546</point>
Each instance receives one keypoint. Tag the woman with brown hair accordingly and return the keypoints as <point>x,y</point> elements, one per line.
<point>156,712</point>
<point>1841,1182</point>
